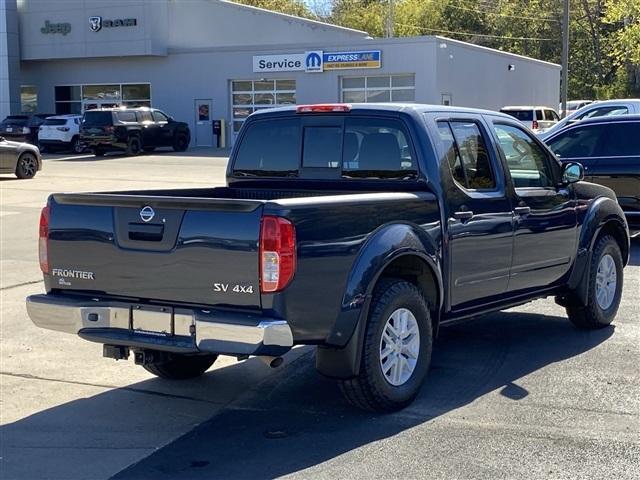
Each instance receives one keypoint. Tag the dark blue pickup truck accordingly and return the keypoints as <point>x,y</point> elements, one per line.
<point>357,228</point>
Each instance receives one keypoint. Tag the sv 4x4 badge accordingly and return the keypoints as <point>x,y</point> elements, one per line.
<point>224,287</point>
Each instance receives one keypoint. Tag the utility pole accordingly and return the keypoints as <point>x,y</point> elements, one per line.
<point>565,57</point>
<point>390,21</point>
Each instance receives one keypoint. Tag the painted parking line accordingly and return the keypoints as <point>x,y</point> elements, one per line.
<point>71,157</point>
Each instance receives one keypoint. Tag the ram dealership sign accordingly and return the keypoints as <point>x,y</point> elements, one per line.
<point>98,23</point>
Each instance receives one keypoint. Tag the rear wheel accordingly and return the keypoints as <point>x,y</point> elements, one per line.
<point>180,142</point>
<point>181,367</point>
<point>134,145</point>
<point>27,166</point>
<point>397,349</point>
<point>604,287</point>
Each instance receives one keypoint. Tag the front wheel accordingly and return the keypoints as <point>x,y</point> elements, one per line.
<point>76,145</point>
<point>27,166</point>
<point>397,349</point>
<point>181,367</point>
<point>604,287</point>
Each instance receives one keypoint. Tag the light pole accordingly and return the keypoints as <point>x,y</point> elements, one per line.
<point>565,58</point>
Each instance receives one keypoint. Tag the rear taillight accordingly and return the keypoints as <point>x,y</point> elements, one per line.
<point>43,242</point>
<point>277,253</point>
<point>63,129</point>
<point>534,125</point>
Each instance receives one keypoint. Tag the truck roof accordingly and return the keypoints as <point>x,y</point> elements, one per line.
<point>392,107</point>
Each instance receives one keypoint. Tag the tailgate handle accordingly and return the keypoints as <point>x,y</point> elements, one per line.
<point>144,232</point>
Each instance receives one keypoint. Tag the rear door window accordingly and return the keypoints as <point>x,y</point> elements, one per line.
<point>467,155</point>
<point>622,140</point>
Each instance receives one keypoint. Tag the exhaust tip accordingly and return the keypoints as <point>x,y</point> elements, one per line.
<point>273,362</point>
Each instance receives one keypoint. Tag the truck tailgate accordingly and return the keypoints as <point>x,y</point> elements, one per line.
<point>171,249</point>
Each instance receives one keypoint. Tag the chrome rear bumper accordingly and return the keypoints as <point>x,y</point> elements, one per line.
<point>161,327</point>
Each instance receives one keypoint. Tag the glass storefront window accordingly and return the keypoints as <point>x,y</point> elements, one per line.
<point>137,91</point>
<point>101,92</point>
<point>248,96</point>
<point>379,88</point>
<point>28,99</point>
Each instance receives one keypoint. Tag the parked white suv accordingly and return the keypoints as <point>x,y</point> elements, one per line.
<point>61,132</point>
<point>536,118</point>
<point>628,106</point>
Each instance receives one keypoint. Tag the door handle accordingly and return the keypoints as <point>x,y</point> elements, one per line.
<point>522,211</point>
<point>463,215</point>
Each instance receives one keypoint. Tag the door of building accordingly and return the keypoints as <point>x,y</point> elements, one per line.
<point>204,128</point>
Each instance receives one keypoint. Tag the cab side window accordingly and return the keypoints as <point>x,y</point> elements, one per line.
<point>578,142</point>
<point>467,155</point>
<point>604,111</point>
<point>527,161</point>
<point>622,140</point>
<point>159,117</point>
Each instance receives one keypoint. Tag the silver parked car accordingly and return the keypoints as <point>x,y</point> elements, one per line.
<point>19,158</point>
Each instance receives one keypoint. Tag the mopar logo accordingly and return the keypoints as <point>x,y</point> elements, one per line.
<point>313,62</point>
<point>147,214</point>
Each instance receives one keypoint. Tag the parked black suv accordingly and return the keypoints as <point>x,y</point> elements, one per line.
<point>609,149</point>
<point>23,128</point>
<point>132,130</point>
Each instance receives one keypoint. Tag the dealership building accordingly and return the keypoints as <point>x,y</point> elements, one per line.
<point>206,60</point>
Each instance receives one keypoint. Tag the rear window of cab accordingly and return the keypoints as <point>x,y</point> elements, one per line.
<point>338,146</point>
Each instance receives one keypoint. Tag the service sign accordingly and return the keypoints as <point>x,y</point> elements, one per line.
<point>279,63</point>
<point>342,60</point>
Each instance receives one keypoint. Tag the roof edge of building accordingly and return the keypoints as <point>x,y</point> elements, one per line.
<point>294,17</point>
<point>494,50</point>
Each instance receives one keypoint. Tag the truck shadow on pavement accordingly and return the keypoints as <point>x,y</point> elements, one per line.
<point>296,419</point>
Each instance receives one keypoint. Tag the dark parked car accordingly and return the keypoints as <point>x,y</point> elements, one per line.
<point>357,228</point>
<point>132,130</point>
<point>23,128</point>
<point>19,158</point>
<point>609,149</point>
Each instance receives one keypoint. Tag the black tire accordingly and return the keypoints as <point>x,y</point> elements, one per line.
<point>27,166</point>
<point>76,145</point>
<point>180,142</point>
<point>371,390</point>
<point>181,367</point>
<point>592,316</point>
<point>134,145</point>
<point>98,152</point>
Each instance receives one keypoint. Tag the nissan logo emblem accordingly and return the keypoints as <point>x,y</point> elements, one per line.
<point>147,214</point>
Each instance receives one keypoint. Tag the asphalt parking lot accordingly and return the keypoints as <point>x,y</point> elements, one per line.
<point>515,394</point>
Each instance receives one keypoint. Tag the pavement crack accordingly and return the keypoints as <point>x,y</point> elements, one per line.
<point>27,376</point>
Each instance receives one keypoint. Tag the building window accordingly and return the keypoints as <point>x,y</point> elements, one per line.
<point>78,98</point>
<point>386,88</point>
<point>247,96</point>
<point>28,99</point>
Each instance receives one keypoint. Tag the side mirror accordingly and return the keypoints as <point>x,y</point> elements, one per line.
<point>572,172</point>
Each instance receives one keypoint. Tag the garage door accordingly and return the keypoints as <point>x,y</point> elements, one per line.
<point>248,96</point>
